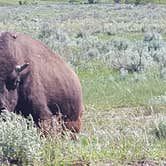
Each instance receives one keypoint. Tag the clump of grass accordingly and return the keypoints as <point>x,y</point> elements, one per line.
<point>20,142</point>
<point>159,130</point>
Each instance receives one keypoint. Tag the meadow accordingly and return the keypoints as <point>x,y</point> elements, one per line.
<point>119,54</point>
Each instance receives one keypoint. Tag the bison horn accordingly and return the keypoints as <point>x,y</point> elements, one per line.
<point>20,68</point>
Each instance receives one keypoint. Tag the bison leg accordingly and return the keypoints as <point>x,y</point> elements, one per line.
<point>41,114</point>
<point>74,126</point>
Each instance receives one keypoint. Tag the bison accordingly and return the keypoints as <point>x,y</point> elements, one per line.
<point>35,81</point>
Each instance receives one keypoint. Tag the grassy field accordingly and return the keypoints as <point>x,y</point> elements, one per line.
<point>26,2</point>
<point>124,122</point>
<point>45,2</point>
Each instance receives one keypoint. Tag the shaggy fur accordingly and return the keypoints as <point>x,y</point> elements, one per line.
<point>47,87</point>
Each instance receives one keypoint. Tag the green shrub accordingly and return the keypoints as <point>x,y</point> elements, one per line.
<point>138,2</point>
<point>19,141</point>
<point>160,130</point>
<point>90,1</point>
<point>27,2</point>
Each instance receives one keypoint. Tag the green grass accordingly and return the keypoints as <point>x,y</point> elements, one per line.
<point>108,90</point>
<point>119,117</point>
<point>16,2</point>
<point>109,137</point>
<point>129,36</point>
<point>11,2</point>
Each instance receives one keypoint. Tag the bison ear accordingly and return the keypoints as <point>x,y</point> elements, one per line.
<point>20,68</point>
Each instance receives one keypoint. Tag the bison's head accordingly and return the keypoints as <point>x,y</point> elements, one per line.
<point>9,84</point>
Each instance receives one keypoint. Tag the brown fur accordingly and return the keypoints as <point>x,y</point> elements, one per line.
<point>47,87</point>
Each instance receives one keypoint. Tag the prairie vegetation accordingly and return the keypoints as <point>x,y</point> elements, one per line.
<point>119,53</point>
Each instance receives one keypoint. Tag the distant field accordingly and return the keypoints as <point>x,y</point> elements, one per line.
<point>26,2</point>
<point>119,53</point>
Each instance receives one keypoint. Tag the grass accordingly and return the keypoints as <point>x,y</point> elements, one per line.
<point>116,91</point>
<point>130,36</point>
<point>120,113</point>
<point>125,140</point>
<point>44,2</point>
<point>16,2</point>
<point>12,2</point>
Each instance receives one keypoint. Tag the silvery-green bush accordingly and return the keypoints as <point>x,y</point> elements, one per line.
<point>19,139</point>
<point>139,55</point>
<point>83,40</point>
<point>159,128</point>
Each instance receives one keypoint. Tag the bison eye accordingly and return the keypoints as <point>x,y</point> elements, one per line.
<point>11,83</point>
